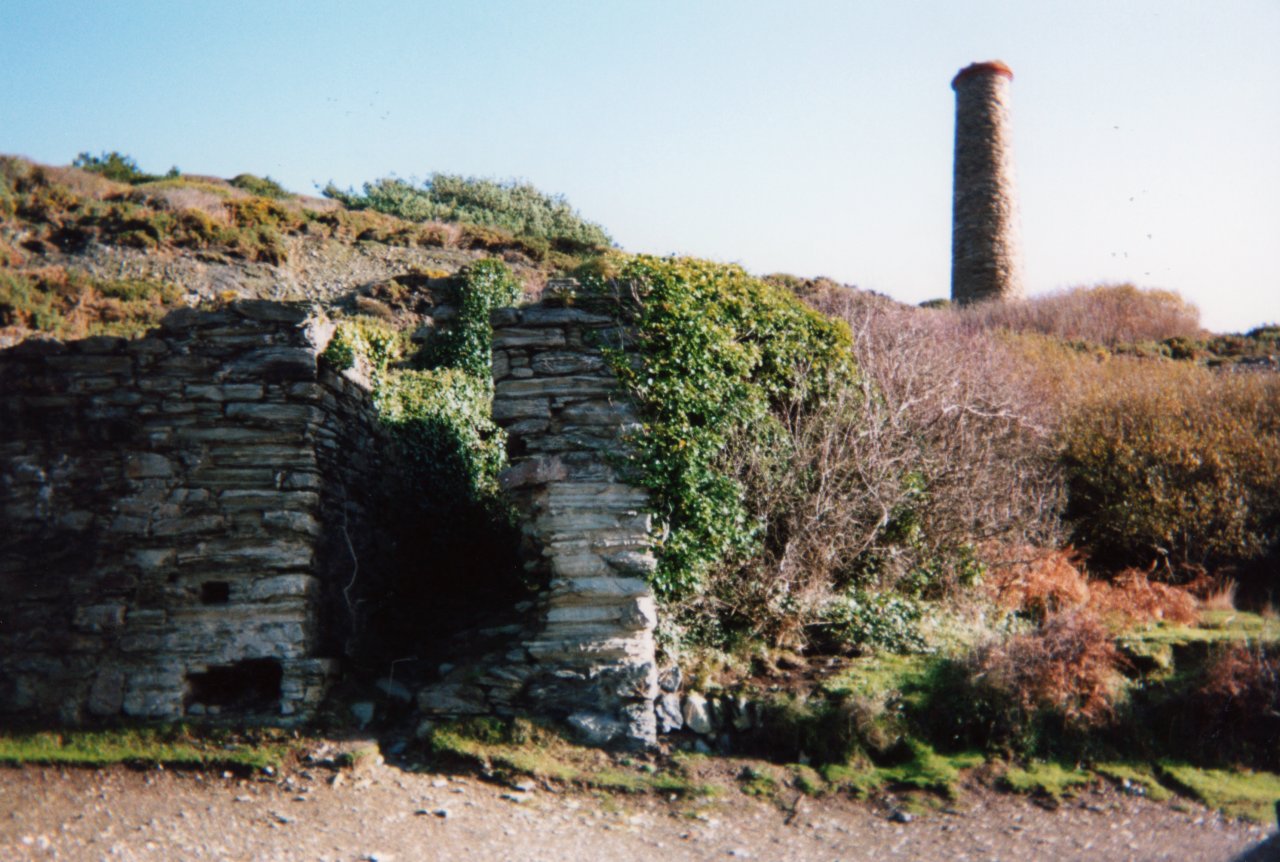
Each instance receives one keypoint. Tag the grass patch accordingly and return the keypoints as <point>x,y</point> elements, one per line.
<point>522,748</point>
<point>1214,627</point>
<point>1244,794</point>
<point>1049,779</point>
<point>175,745</point>
<point>807,780</point>
<point>924,769</point>
<point>1132,774</point>
<point>857,778</point>
<point>929,770</point>
<point>875,675</point>
<point>758,781</point>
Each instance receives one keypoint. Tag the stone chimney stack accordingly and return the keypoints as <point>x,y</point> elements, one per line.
<point>986,246</point>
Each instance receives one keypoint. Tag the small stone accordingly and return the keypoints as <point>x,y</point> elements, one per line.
<point>900,816</point>
<point>395,690</point>
<point>697,714</point>
<point>670,679</point>
<point>668,714</point>
<point>363,712</point>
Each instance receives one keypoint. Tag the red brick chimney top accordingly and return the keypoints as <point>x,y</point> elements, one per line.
<point>990,67</point>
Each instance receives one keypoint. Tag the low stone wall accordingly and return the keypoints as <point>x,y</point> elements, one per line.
<point>178,513</point>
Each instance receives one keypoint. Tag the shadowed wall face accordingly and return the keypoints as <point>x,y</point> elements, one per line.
<point>986,247</point>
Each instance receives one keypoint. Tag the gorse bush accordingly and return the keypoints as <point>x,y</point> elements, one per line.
<point>62,213</point>
<point>71,304</point>
<point>517,207</point>
<point>260,186</point>
<point>1176,465</point>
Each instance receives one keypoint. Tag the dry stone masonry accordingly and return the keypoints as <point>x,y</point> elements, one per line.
<point>986,247</point>
<point>587,529</point>
<point>180,514</point>
<point>190,519</point>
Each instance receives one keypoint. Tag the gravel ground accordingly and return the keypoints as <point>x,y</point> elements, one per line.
<point>383,813</point>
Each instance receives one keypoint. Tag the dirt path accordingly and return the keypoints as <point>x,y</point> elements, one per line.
<point>382,813</point>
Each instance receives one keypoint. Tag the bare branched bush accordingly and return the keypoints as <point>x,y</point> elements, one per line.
<point>894,481</point>
<point>1106,314</point>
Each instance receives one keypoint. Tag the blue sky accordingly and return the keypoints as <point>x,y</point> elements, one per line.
<point>807,137</point>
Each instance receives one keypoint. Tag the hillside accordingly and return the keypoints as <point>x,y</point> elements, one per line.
<point>81,253</point>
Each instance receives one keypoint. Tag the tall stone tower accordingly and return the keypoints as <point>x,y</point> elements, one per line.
<point>986,246</point>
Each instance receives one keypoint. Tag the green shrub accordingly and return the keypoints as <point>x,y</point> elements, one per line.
<point>118,167</point>
<point>359,339</point>
<point>261,186</point>
<point>718,351</point>
<point>877,621</point>
<point>516,207</point>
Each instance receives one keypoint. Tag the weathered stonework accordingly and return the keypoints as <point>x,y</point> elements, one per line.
<point>190,521</point>
<point>592,655</point>
<point>584,653</point>
<point>178,515</point>
<point>986,246</point>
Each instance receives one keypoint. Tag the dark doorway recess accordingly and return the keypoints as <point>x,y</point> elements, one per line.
<point>251,685</point>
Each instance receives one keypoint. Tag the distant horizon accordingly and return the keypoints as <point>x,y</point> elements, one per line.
<point>814,140</point>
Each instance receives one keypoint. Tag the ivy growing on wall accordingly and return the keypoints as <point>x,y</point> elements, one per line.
<point>439,415</point>
<point>719,353</point>
<point>455,539</point>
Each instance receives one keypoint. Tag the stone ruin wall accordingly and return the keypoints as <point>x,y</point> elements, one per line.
<point>173,514</point>
<point>587,529</point>
<point>182,513</point>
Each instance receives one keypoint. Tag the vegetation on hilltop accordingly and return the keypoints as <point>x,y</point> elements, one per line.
<point>516,207</point>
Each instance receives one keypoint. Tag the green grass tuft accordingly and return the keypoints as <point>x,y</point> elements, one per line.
<point>174,745</point>
<point>1046,779</point>
<point>1136,774</point>
<point>1244,794</point>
